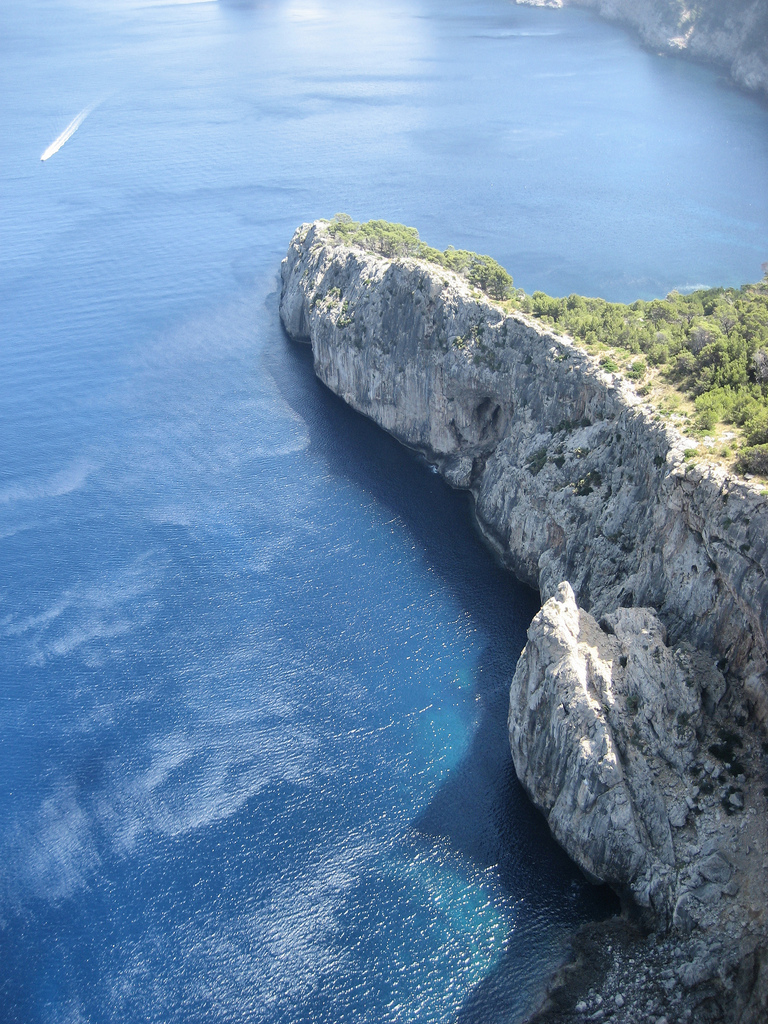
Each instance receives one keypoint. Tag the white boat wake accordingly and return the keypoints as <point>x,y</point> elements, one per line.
<point>68,132</point>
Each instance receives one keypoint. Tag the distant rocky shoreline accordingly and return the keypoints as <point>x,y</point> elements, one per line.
<point>638,709</point>
<point>732,35</point>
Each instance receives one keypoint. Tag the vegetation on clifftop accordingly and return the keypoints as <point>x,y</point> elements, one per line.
<point>711,347</point>
<point>701,358</point>
<point>397,241</point>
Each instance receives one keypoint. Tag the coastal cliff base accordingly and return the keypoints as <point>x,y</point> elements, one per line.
<point>618,974</point>
<point>629,747</point>
<point>638,708</point>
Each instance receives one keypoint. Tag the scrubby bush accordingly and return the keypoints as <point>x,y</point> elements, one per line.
<point>379,236</point>
<point>711,345</point>
<point>637,370</point>
<point>754,459</point>
<point>588,483</point>
<point>397,241</point>
<point>482,271</point>
<point>537,461</point>
<point>756,427</point>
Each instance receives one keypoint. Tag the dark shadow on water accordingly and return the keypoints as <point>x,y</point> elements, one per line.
<point>244,5</point>
<point>480,810</point>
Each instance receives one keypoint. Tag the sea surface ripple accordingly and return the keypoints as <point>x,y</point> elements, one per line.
<point>253,763</point>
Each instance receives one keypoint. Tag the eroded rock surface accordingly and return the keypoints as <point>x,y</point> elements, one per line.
<point>635,717</point>
<point>612,732</point>
<point>574,476</point>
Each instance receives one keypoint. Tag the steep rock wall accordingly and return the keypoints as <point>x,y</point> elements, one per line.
<point>612,731</point>
<point>650,650</point>
<point>574,477</point>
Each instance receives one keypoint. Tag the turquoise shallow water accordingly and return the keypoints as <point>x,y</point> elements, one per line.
<point>253,763</point>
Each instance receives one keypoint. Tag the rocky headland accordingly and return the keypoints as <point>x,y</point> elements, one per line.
<point>732,34</point>
<point>638,708</point>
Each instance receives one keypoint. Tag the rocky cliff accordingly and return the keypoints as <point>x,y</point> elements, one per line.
<point>636,708</point>
<point>730,33</point>
<point>630,747</point>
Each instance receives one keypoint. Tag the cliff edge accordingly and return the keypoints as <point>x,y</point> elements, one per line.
<point>638,708</point>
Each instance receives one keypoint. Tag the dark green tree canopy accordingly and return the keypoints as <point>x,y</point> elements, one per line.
<point>396,241</point>
<point>711,345</point>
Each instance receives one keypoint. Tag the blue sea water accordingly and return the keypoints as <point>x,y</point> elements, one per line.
<point>253,763</point>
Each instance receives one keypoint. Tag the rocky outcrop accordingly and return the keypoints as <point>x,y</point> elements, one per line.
<point>651,646</point>
<point>603,725</point>
<point>732,34</point>
<point>612,731</point>
<point>574,476</point>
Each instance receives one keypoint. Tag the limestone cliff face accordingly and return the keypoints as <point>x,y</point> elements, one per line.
<point>592,712</point>
<point>610,727</point>
<point>612,731</point>
<point>635,707</point>
<point>574,478</point>
<point>730,33</point>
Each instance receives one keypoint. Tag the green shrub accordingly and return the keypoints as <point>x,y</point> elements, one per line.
<point>684,365</point>
<point>754,460</point>
<point>658,354</point>
<point>482,271</point>
<point>756,428</point>
<point>537,461</point>
<point>711,345</point>
<point>397,240</point>
<point>344,318</point>
<point>587,484</point>
<point>637,370</point>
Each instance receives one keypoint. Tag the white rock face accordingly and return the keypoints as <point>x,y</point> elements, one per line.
<point>574,477</point>
<point>611,731</point>
<point>604,727</point>
<point>571,734</point>
<point>634,708</point>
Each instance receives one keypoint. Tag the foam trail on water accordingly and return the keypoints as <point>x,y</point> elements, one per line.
<point>68,132</point>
